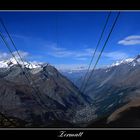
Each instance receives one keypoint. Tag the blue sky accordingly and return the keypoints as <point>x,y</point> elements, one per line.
<point>68,39</point>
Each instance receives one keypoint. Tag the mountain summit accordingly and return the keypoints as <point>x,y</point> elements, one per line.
<point>12,62</point>
<point>131,61</point>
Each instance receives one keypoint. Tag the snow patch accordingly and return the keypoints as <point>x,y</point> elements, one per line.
<point>12,61</point>
<point>125,61</point>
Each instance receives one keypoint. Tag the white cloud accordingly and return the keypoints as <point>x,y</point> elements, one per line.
<point>63,52</point>
<point>71,66</point>
<point>116,55</point>
<point>22,54</point>
<point>22,37</point>
<point>130,40</point>
<point>84,54</point>
<point>81,58</point>
<point>5,55</point>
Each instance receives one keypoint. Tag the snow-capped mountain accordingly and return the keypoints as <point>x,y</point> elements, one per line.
<point>109,88</point>
<point>76,74</point>
<point>47,97</point>
<point>12,61</point>
<point>117,95</point>
<point>125,61</point>
<point>131,61</point>
<point>113,86</point>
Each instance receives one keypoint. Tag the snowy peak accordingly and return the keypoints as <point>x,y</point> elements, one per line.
<point>12,61</point>
<point>125,61</point>
<point>132,61</point>
<point>3,64</point>
<point>31,65</point>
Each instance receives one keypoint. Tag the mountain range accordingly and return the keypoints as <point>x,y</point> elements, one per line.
<point>111,89</point>
<point>40,95</point>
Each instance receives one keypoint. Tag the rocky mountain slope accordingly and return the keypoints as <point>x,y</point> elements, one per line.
<point>127,116</point>
<point>112,88</point>
<point>41,95</point>
<point>116,92</point>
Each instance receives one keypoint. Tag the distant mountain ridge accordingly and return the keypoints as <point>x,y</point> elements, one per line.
<point>76,74</point>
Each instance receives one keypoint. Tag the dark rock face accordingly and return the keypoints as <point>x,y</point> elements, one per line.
<point>10,122</point>
<point>51,97</point>
<point>127,116</point>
